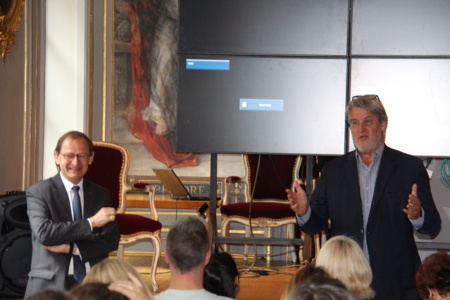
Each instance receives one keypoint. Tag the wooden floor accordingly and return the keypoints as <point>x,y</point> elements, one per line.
<point>253,286</point>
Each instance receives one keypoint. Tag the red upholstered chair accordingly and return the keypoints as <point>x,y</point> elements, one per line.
<point>110,169</point>
<point>270,207</point>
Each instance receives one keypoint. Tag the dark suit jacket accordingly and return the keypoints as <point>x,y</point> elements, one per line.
<point>48,208</point>
<point>392,250</point>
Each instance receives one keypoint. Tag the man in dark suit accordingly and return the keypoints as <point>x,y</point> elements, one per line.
<point>60,239</point>
<point>376,195</point>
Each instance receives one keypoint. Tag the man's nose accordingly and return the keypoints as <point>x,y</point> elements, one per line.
<point>361,127</point>
<point>76,159</point>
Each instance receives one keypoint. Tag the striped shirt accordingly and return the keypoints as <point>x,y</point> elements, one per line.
<point>367,176</point>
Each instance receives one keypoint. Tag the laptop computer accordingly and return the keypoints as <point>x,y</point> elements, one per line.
<point>173,184</point>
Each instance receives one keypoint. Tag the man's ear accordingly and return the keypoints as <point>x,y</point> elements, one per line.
<point>166,257</point>
<point>91,158</point>
<point>207,257</point>
<point>56,156</point>
<point>432,293</point>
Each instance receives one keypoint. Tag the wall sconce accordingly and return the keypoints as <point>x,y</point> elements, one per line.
<point>10,17</point>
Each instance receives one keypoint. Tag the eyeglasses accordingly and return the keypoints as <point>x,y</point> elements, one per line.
<point>368,97</point>
<point>70,156</point>
<point>367,122</point>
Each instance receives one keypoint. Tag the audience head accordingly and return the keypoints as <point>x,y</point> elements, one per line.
<point>50,295</point>
<point>110,270</point>
<point>343,258</point>
<point>433,276</point>
<point>302,275</point>
<point>321,288</point>
<point>95,291</point>
<point>187,245</point>
<point>221,275</point>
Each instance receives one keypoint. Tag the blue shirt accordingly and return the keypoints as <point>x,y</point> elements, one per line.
<point>367,176</point>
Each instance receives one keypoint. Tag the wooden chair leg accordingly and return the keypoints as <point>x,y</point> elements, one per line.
<point>120,251</point>
<point>307,248</point>
<point>317,244</point>
<point>291,234</point>
<point>225,231</point>
<point>155,259</point>
<point>247,235</point>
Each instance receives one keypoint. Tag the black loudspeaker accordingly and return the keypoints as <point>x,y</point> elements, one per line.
<point>15,245</point>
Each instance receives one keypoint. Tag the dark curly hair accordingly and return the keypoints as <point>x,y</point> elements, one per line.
<point>434,273</point>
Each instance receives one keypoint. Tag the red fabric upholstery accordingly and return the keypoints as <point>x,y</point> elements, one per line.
<point>140,185</point>
<point>269,210</point>
<point>130,224</point>
<point>105,171</point>
<point>109,169</point>
<point>275,175</point>
<point>267,184</point>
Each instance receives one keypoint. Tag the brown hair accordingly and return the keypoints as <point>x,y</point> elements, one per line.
<point>74,135</point>
<point>434,273</point>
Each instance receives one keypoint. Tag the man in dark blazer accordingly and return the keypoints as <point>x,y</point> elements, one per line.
<point>56,237</point>
<point>376,195</point>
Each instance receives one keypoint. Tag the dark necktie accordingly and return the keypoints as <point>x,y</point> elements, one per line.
<point>79,269</point>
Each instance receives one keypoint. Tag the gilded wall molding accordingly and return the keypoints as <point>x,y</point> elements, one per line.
<point>10,17</point>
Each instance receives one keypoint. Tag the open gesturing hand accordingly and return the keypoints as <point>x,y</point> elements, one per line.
<point>298,199</point>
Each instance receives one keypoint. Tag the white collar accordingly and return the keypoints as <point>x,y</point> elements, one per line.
<point>68,185</point>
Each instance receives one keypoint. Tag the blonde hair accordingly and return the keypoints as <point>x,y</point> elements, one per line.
<point>110,270</point>
<point>343,259</point>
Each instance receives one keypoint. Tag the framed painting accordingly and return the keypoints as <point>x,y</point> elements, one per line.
<point>145,97</point>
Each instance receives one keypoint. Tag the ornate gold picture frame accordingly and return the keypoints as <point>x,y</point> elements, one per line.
<point>10,17</point>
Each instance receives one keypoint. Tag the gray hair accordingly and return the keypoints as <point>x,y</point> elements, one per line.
<point>372,104</point>
<point>187,244</point>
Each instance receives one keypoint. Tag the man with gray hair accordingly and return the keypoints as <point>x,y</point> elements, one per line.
<point>187,253</point>
<point>378,196</point>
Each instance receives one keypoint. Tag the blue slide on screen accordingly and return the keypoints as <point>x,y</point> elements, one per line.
<point>261,104</point>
